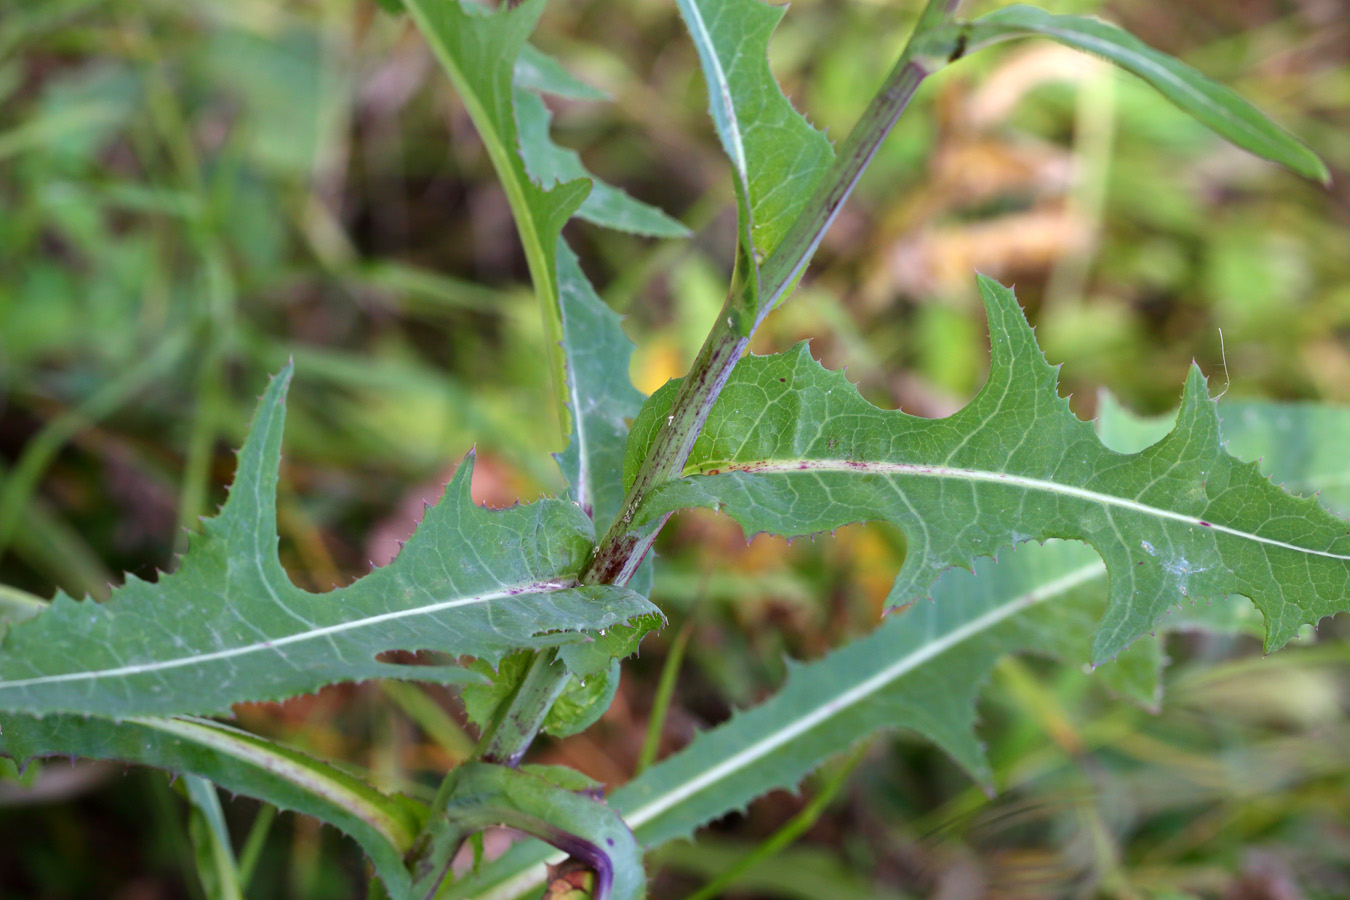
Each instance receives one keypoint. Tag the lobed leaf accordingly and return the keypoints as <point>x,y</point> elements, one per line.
<point>229,626</point>
<point>384,826</point>
<point>1300,446</point>
<point>606,205</point>
<point>1210,103</point>
<point>537,71</point>
<point>1039,598</point>
<point>793,449</point>
<point>777,157</point>
<point>493,70</point>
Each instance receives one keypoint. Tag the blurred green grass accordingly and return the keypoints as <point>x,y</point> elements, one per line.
<point>192,193</point>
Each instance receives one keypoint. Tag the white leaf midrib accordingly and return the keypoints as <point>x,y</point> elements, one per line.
<point>774,741</point>
<point>703,38</point>
<point>798,466</point>
<point>274,644</point>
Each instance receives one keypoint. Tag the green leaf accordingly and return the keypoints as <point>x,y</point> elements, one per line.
<point>1212,104</point>
<point>384,826</point>
<point>920,670</point>
<point>479,51</point>
<point>229,626</point>
<point>493,70</point>
<point>1299,446</point>
<point>534,802</point>
<point>777,157</point>
<point>601,397</point>
<point>17,606</point>
<point>792,449</point>
<point>537,71</point>
<point>606,205</point>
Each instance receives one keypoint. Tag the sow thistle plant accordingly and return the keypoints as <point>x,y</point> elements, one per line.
<point>543,601</point>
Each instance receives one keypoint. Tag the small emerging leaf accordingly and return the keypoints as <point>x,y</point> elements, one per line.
<point>581,703</point>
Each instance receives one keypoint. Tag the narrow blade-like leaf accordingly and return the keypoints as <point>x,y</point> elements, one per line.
<point>246,764</point>
<point>216,865</point>
<point>229,626</point>
<point>1210,103</point>
<point>793,449</point>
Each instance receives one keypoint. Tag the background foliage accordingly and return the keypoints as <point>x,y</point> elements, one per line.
<point>193,193</point>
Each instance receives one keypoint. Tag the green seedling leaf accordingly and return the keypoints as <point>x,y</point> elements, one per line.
<point>1212,104</point>
<point>549,164</point>
<point>777,157</point>
<point>584,828</point>
<point>793,449</point>
<point>229,626</point>
<point>237,761</point>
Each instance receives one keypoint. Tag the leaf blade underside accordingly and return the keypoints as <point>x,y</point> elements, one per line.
<point>229,626</point>
<point>793,449</point>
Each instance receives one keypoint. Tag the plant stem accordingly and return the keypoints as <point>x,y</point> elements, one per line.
<point>508,736</point>
<point>623,547</point>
